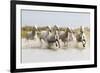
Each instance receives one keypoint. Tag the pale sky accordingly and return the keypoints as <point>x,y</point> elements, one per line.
<point>43,18</point>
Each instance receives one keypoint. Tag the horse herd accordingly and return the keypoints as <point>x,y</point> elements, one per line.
<point>53,35</point>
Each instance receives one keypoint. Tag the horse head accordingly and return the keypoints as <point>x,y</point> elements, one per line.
<point>81,29</point>
<point>48,28</point>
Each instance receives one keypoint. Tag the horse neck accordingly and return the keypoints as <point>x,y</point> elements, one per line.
<point>66,33</point>
<point>81,33</point>
<point>70,34</point>
<point>57,33</point>
<point>34,32</point>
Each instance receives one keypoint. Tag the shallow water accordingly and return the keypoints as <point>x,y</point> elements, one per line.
<point>45,55</point>
<point>31,52</point>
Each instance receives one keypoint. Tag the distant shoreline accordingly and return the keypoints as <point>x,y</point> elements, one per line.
<point>40,25</point>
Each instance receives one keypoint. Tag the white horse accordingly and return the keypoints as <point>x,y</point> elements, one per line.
<point>81,37</point>
<point>32,34</point>
<point>67,36</point>
<point>50,36</point>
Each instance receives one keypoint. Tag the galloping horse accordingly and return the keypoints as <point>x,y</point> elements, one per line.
<point>50,36</point>
<point>32,34</point>
<point>81,36</point>
<point>67,36</point>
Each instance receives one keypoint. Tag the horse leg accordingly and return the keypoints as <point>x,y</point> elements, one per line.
<point>67,44</point>
<point>64,43</point>
<point>84,42</point>
<point>40,42</point>
<point>58,42</point>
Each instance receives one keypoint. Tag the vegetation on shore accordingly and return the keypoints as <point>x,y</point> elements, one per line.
<point>26,29</point>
